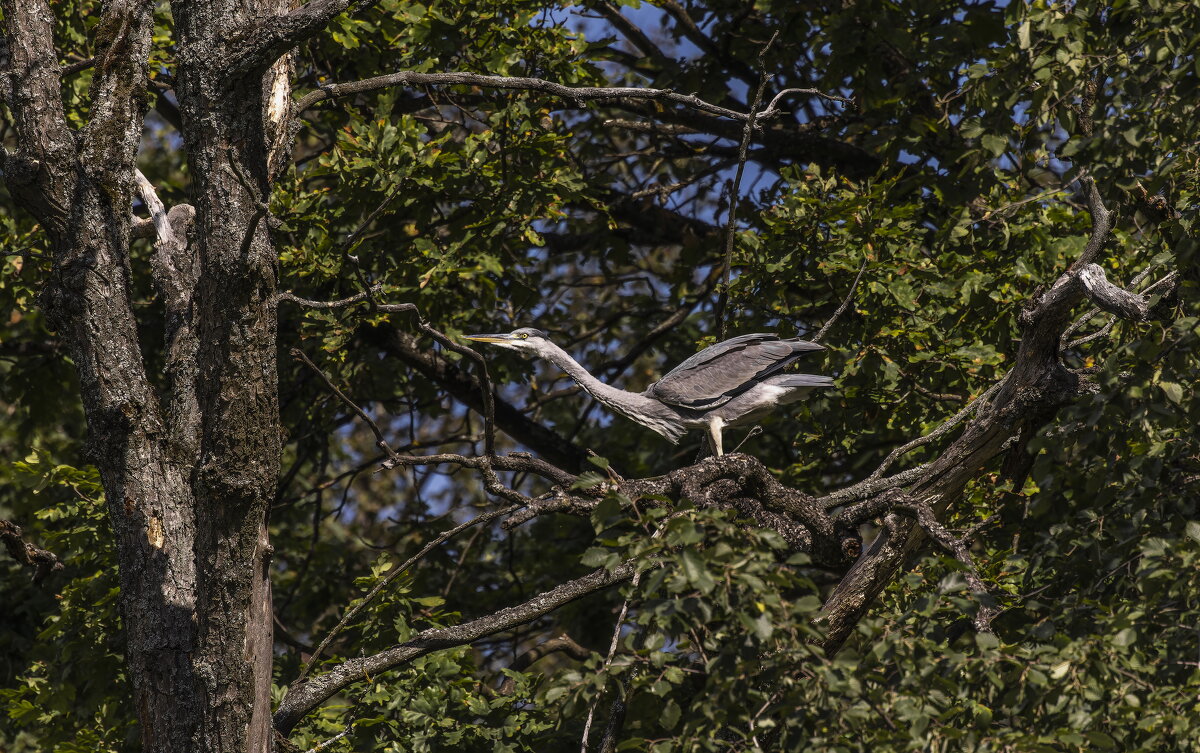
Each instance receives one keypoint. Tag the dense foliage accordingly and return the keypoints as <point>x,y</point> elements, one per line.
<point>953,181</point>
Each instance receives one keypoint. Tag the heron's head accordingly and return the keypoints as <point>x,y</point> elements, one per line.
<point>526,340</point>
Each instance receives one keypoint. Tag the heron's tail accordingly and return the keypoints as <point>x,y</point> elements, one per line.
<point>801,380</point>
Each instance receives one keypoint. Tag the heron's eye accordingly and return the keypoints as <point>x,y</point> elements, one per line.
<point>523,336</point>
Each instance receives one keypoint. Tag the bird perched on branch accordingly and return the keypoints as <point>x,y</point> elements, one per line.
<point>732,383</point>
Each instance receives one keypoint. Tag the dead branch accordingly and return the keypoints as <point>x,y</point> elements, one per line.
<point>42,561</point>
<point>571,93</point>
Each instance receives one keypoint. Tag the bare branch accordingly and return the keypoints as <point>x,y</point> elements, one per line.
<point>1112,298</point>
<point>870,487</point>
<point>940,431</point>
<point>771,110</point>
<point>306,696</point>
<point>573,93</point>
<point>340,303</point>
<point>1064,341</point>
<point>42,561</point>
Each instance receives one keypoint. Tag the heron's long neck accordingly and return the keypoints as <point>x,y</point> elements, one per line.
<point>615,398</point>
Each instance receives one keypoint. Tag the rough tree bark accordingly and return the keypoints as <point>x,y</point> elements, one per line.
<point>81,192</point>
<point>188,473</point>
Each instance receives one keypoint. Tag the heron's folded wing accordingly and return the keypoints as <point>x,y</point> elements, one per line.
<point>717,373</point>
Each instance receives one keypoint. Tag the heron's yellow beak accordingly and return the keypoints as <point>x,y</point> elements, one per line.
<point>488,338</point>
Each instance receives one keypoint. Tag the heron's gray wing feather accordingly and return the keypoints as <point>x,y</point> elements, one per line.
<point>801,380</point>
<point>717,373</point>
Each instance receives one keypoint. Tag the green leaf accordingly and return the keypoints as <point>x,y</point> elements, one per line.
<point>1173,391</point>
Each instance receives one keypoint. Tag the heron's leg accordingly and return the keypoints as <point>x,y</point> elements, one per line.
<point>714,435</point>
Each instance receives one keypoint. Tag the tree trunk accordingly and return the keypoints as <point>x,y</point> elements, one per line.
<point>239,433</point>
<point>188,474</point>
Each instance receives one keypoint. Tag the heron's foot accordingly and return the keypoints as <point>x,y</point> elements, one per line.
<point>754,432</point>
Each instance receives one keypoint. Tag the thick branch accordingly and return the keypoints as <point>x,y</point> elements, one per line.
<point>305,697</point>
<point>118,91</point>
<point>732,481</point>
<point>1112,298</point>
<point>1037,385</point>
<point>38,174</point>
<point>267,41</point>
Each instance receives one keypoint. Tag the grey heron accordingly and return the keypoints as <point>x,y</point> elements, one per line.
<point>732,383</point>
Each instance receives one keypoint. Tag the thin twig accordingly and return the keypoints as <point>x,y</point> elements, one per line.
<point>330,741</point>
<point>771,112</point>
<point>380,442</point>
<point>612,651</point>
<point>845,304</point>
<point>731,224</point>
<point>354,610</point>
